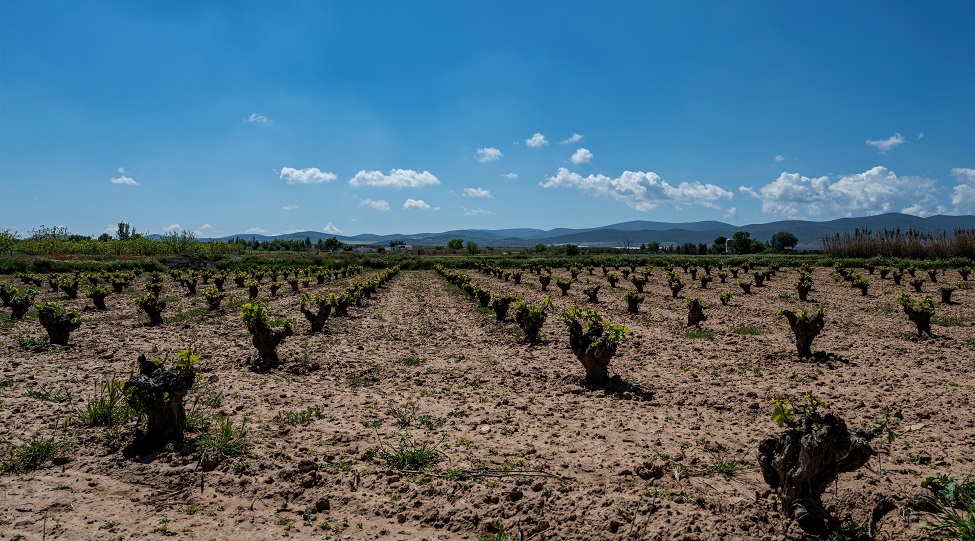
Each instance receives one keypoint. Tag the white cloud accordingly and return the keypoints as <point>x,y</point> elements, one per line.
<point>875,191</point>
<point>258,118</point>
<point>536,140</point>
<point>574,139</point>
<point>417,204</point>
<point>883,145</point>
<point>477,192</point>
<point>477,212</point>
<point>311,175</point>
<point>511,176</point>
<point>206,227</point>
<point>581,156</point>
<point>123,180</point>
<point>257,230</point>
<point>920,136</point>
<point>172,227</point>
<point>489,154</point>
<point>331,229</point>
<point>779,158</point>
<point>731,214</point>
<point>397,178</point>
<point>289,207</point>
<point>963,196</point>
<point>641,191</point>
<point>379,205</point>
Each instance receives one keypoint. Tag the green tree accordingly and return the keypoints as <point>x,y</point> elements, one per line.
<point>455,244</point>
<point>473,248</point>
<point>782,240</point>
<point>741,242</point>
<point>125,231</point>
<point>539,248</point>
<point>571,249</point>
<point>719,244</point>
<point>330,245</point>
<point>7,241</point>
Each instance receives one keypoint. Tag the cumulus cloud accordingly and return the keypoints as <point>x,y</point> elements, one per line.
<point>883,145</point>
<point>574,139</point>
<point>289,207</point>
<point>489,154</point>
<point>311,175</point>
<point>731,214</point>
<point>122,179</point>
<point>477,192</point>
<point>397,178</point>
<point>258,118</point>
<point>257,230</point>
<point>963,196</point>
<point>172,227</point>
<point>581,156</point>
<point>331,229</point>
<point>377,204</point>
<point>206,227</point>
<point>779,158</point>
<point>477,212</point>
<point>536,140</point>
<point>920,136</point>
<point>511,176</point>
<point>417,204</point>
<point>641,191</point>
<point>875,191</point>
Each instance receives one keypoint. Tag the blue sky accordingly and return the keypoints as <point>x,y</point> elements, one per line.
<point>384,117</point>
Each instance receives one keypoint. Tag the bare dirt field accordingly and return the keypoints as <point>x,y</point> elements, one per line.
<point>520,444</point>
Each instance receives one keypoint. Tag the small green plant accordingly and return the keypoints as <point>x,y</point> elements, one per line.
<point>951,506</point>
<point>749,330</point>
<point>32,454</point>
<point>698,334</point>
<point>36,345</point>
<point>882,426</point>
<point>409,455</point>
<point>46,394</point>
<point>106,406</point>
<point>302,417</point>
<point>412,361</point>
<point>224,440</point>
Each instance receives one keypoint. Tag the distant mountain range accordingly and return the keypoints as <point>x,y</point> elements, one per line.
<point>637,232</point>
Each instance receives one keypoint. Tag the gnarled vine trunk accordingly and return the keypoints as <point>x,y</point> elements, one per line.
<point>266,340</point>
<point>593,352</point>
<point>805,330</point>
<point>801,462</point>
<point>159,394</point>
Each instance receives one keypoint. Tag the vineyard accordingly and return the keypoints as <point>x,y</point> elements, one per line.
<point>487,398</point>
